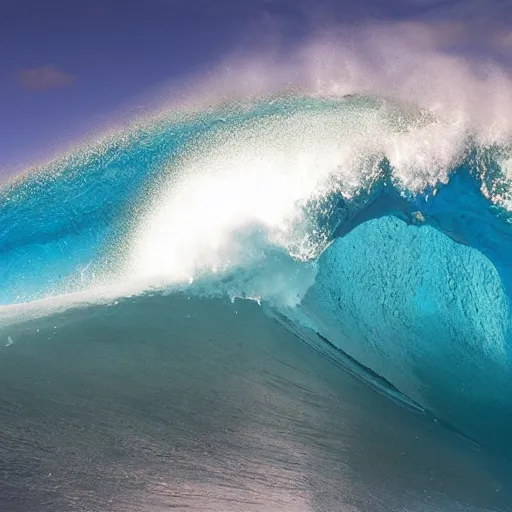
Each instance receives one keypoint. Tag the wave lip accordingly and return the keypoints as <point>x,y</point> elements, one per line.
<point>133,205</point>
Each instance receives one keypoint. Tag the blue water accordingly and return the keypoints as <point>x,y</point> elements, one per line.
<point>406,288</point>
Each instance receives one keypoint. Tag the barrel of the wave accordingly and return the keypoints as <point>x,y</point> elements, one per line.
<point>427,314</point>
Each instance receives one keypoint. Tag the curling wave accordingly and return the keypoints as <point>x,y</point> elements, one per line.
<point>378,232</point>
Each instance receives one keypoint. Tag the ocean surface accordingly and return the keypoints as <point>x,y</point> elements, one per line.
<point>296,303</point>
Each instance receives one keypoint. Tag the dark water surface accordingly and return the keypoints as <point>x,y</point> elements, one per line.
<point>177,403</point>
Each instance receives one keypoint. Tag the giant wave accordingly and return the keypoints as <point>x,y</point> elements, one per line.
<point>379,228</point>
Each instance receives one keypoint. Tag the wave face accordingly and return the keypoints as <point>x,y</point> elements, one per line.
<point>377,232</point>
<point>196,403</point>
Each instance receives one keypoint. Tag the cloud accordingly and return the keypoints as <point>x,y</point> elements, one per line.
<point>44,78</point>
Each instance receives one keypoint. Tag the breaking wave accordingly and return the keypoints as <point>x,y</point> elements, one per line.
<point>377,231</point>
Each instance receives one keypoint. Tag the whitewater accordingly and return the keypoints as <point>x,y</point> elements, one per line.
<point>275,296</point>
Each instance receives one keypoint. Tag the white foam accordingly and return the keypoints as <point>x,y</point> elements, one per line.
<point>262,175</point>
<point>244,189</point>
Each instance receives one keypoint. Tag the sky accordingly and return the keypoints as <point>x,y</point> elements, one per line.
<point>67,67</point>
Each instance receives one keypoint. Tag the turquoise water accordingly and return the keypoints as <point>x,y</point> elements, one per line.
<point>377,236</point>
